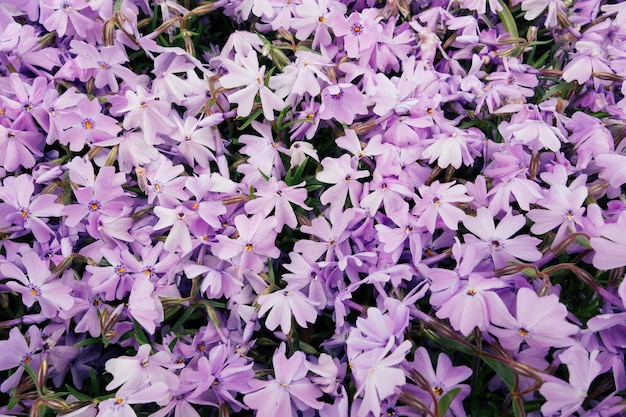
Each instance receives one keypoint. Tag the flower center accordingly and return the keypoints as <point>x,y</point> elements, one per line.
<point>523,332</point>
<point>357,29</point>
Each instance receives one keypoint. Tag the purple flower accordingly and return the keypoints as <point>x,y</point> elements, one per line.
<point>473,305</point>
<point>610,248</point>
<point>245,72</point>
<point>17,351</point>
<point>21,208</point>
<point>277,196</point>
<point>566,398</point>
<point>143,369</point>
<point>86,124</point>
<point>217,378</point>
<point>285,304</point>
<point>341,102</point>
<point>437,201</point>
<point>446,378</point>
<point>496,241</point>
<point>18,148</point>
<point>121,404</point>
<point>538,321</point>
<point>377,375</point>
<point>106,64</point>
<point>359,31</point>
<point>343,173</point>
<point>254,244</point>
<point>38,285</point>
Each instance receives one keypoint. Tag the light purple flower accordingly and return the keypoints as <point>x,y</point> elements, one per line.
<point>290,389</point>
<point>496,241</point>
<point>341,102</point>
<point>37,285</point>
<point>283,306</point>
<point>538,321</point>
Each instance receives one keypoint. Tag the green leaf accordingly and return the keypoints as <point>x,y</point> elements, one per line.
<point>140,335</point>
<point>251,119</point>
<point>79,395</point>
<point>184,317</point>
<point>506,373</point>
<point>518,408</point>
<point>446,400</point>
<point>13,402</point>
<point>507,20</point>
<point>95,384</point>
<point>87,342</point>
<point>296,177</point>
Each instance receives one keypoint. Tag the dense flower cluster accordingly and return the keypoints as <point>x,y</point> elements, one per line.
<point>312,208</point>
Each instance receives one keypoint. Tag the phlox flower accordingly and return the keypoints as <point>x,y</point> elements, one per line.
<point>144,306</point>
<point>359,31</point>
<point>481,5</point>
<point>245,72</point>
<point>132,372</point>
<point>332,236</point>
<point>163,182</point>
<point>341,102</point>
<point>611,246</point>
<point>145,110</point>
<point>438,202</point>
<point>377,374</point>
<point>450,148</point>
<point>18,351</point>
<point>179,220</point>
<point>566,398</point>
<point>285,304</point>
<point>534,8</point>
<point>86,125</point>
<point>104,195</point>
<point>590,57</point>
<point>125,397</point>
<point>18,148</point>
<point>106,64</point>
<point>613,168</point>
<point>263,151</point>
<point>447,377</point>
<point>37,285</point>
<point>68,17</point>
<point>217,378</point>
<point>496,241</point>
<point>289,391</point>
<point>254,244</point>
<point>343,173</point>
<point>195,144</point>
<point>473,305</point>
<point>538,321</point>
<point>277,196</point>
<point>563,208</point>
<point>376,329</point>
<point>115,280</point>
<point>312,17</point>
<point>20,208</point>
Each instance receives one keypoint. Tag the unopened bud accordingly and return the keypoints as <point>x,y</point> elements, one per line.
<point>42,374</point>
